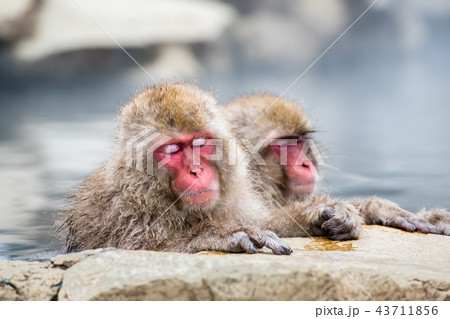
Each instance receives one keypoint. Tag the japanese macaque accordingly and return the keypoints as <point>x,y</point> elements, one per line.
<point>163,190</point>
<point>283,174</point>
<point>284,126</point>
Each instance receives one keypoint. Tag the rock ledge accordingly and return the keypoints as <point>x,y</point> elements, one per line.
<point>386,264</point>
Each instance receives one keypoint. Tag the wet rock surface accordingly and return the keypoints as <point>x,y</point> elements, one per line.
<point>386,264</point>
<point>21,280</point>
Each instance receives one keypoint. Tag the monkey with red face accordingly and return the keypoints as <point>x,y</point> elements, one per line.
<point>293,181</point>
<point>283,174</point>
<point>162,189</point>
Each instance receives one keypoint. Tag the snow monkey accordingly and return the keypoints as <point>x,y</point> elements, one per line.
<point>286,129</point>
<point>286,174</point>
<point>163,190</point>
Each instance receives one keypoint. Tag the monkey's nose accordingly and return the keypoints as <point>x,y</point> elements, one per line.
<point>306,164</point>
<point>197,171</point>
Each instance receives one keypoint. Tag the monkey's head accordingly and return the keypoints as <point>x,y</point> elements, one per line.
<point>170,132</point>
<point>285,128</point>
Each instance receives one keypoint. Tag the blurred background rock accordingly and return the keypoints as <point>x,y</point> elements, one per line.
<point>379,96</point>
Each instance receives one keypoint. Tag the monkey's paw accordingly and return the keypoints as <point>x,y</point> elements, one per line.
<point>438,217</point>
<point>377,211</point>
<point>410,223</point>
<point>340,222</point>
<point>249,243</point>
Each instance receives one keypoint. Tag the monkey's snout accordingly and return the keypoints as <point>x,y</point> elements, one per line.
<point>196,171</point>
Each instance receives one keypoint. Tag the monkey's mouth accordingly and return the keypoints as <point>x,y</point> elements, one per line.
<point>199,192</point>
<point>203,197</point>
<point>302,184</point>
<point>302,187</point>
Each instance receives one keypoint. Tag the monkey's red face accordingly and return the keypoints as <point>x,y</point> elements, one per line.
<point>186,157</point>
<point>298,168</point>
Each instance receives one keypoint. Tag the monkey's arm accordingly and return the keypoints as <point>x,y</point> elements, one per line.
<point>438,217</point>
<point>377,211</point>
<point>317,216</point>
<point>238,240</point>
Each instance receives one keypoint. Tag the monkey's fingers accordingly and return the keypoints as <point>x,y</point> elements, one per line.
<point>270,240</point>
<point>241,243</point>
<point>446,231</point>
<point>338,229</point>
<point>424,227</point>
<point>258,243</point>
<point>325,215</point>
<point>347,231</point>
<point>402,223</point>
<point>317,231</point>
<point>438,217</point>
<point>413,224</point>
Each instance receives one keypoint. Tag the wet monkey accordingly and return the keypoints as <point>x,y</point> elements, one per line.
<point>162,191</point>
<point>279,134</point>
<point>272,118</point>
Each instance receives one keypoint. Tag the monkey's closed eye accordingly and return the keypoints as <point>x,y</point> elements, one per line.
<point>172,148</point>
<point>301,139</point>
<point>285,141</point>
<point>198,142</point>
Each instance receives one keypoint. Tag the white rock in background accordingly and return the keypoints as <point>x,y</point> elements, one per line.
<point>291,32</point>
<point>171,59</point>
<point>15,18</point>
<point>65,26</point>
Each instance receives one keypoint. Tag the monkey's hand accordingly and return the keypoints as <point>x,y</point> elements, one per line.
<point>438,217</point>
<point>250,241</point>
<point>339,221</point>
<point>377,211</point>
